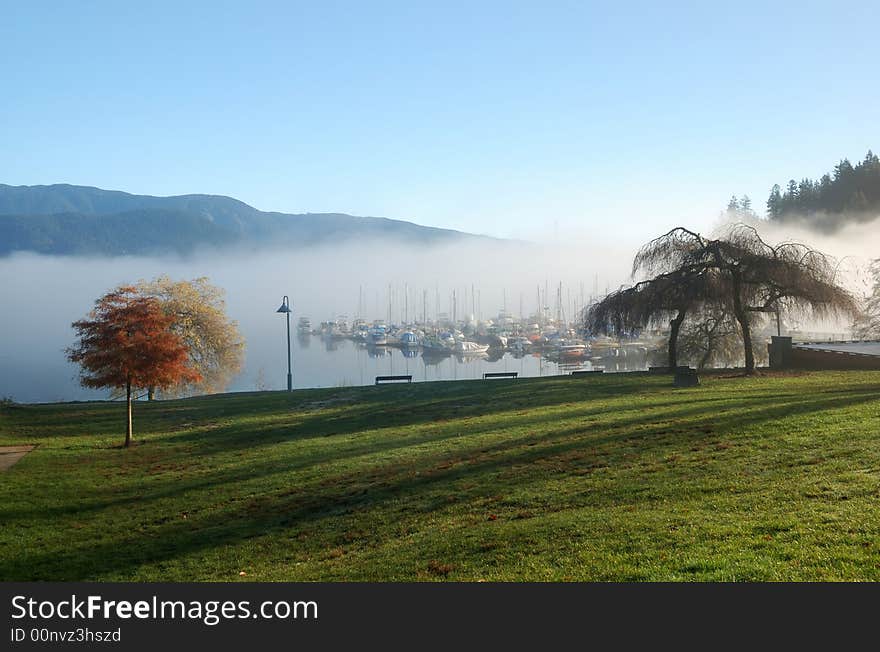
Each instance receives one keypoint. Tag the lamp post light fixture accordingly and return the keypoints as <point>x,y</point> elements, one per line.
<point>285,308</point>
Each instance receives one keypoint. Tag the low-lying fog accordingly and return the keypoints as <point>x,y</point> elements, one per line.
<point>41,295</point>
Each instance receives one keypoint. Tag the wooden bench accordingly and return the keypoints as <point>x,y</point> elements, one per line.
<point>391,379</point>
<point>501,374</point>
<point>584,372</point>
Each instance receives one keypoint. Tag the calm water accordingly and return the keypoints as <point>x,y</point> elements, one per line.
<point>42,295</point>
<point>319,362</point>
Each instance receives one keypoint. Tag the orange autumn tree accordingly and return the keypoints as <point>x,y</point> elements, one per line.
<point>126,342</point>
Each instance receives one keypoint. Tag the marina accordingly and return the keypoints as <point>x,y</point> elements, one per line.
<point>343,352</point>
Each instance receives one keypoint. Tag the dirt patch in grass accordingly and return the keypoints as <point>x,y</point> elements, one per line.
<point>9,455</point>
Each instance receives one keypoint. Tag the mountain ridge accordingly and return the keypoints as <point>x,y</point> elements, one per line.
<point>86,220</point>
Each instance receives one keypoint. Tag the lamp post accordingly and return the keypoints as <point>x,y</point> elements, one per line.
<point>285,308</point>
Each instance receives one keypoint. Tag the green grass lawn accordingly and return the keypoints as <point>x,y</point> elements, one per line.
<point>615,477</point>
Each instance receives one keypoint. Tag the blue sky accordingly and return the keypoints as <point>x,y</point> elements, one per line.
<point>514,119</point>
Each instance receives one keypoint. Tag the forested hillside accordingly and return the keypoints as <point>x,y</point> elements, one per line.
<point>849,193</point>
<point>80,220</point>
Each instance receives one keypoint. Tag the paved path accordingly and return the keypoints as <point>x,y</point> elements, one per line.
<point>9,455</point>
<point>866,348</point>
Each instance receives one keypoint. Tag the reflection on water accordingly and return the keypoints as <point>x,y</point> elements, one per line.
<point>317,362</point>
<point>34,368</point>
<point>329,362</point>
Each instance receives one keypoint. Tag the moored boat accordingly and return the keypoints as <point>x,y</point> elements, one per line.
<point>573,351</point>
<point>408,339</point>
<point>470,348</point>
<point>441,344</point>
<point>378,335</point>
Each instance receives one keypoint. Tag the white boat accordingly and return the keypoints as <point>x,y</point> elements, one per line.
<point>378,335</point>
<point>409,339</point>
<point>360,332</point>
<point>470,348</point>
<point>518,343</point>
<point>434,345</point>
<point>336,329</point>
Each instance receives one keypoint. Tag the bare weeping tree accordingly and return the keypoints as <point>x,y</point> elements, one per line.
<point>710,337</point>
<point>751,276</point>
<point>666,297</point>
<point>867,325</point>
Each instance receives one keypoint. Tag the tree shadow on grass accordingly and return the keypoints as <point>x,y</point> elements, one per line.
<point>398,407</point>
<point>336,451</point>
<point>677,421</point>
<point>308,505</point>
<point>357,408</point>
<point>385,416</point>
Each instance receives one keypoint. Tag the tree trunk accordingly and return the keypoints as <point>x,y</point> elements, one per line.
<point>674,328</point>
<point>128,423</point>
<point>742,316</point>
<point>705,359</point>
<point>151,393</point>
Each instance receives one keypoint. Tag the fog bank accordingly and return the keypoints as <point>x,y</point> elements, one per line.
<point>44,294</point>
<point>379,279</point>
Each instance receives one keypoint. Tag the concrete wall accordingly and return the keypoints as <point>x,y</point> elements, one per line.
<point>809,358</point>
<point>785,355</point>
